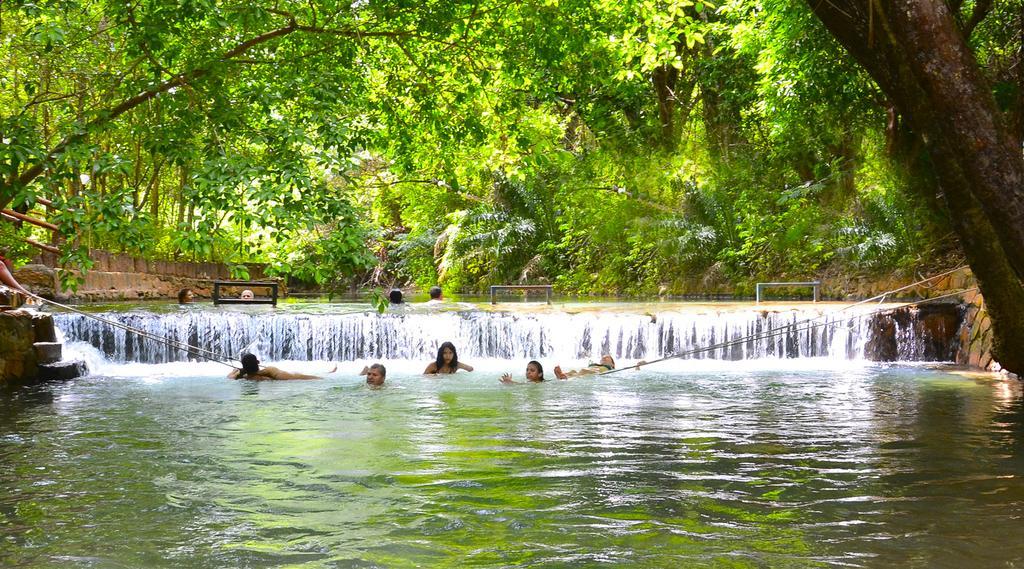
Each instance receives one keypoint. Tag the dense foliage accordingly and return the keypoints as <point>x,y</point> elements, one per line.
<point>602,146</point>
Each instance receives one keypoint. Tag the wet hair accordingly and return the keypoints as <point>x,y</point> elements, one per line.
<point>250,364</point>
<point>183,295</point>
<point>435,292</point>
<point>540,368</point>
<point>394,297</point>
<point>440,357</point>
<point>381,368</point>
<point>610,358</point>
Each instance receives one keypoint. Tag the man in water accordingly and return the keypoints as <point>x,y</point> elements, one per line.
<point>435,295</point>
<point>375,375</point>
<point>606,364</point>
<point>395,296</point>
<point>251,370</point>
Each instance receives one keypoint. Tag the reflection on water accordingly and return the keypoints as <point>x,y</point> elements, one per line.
<point>720,467</point>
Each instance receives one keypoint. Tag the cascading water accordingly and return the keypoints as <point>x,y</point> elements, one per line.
<point>751,334</point>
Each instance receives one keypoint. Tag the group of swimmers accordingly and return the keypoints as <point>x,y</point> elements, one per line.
<point>186,296</point>
<point>447,362</point>
<point>395,297</point>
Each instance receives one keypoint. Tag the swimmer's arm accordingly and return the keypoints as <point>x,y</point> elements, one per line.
<point>366,370</point>
<point>507,378</point>
<point>234,374</point>
<point>431,368</point>
<point>465,366</point>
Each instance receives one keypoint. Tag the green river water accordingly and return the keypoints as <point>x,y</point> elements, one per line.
<point>786,464</point>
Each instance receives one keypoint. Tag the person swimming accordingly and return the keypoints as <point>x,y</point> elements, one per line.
<point>251,370</point>
<point>186,296</point>
<point>605,365</point>
<point>436,295</point>
<point>534,374</point>
<point>447,361</point>
<point>375,375</point>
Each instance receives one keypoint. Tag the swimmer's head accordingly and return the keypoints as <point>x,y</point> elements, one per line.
<point>376,374</point>
<point>250,364</point>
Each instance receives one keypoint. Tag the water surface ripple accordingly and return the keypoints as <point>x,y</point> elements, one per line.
<point>871,466</point>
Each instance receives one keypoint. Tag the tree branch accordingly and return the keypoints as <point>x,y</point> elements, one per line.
<point>106,117</point>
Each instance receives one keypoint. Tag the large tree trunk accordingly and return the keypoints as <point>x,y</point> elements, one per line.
<point>916,53</point>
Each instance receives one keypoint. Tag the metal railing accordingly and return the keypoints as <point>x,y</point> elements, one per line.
<point>545,288</point>
<point>814,284</point>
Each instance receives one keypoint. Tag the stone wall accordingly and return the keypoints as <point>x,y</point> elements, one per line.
<point>104,262</point>
<point>976,335</point>
<point>19,331</point>
<point>859,287</point>
<point>117,276</point>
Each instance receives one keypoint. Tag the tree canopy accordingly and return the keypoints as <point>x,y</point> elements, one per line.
<point>602,146</point>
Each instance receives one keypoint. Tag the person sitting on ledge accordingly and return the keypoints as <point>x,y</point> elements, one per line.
<point>251,370</point>
<point>247,295</point>
<point>375,375</point>
<point>186,296</point>
<point>534,374</point>
<point>606,364</point>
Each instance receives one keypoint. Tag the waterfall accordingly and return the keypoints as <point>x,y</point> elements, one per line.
<point>750,334</point>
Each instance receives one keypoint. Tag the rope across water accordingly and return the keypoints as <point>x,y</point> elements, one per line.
<point>803,325</point>
<point>194,350</point>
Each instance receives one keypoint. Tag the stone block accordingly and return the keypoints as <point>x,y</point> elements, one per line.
<point>971,296</point>
<point>100,260</point>
<point>63,371</point>
<point>974,358</point>
<point>49,352</point>
<point>984,325</point>
<point>39,279</point>
<point>42,327</point>
<point>18,360</point>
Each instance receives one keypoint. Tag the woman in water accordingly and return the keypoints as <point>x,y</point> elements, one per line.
<point>447,361</point>
<point>606,365</point>
<point>534,374</point>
